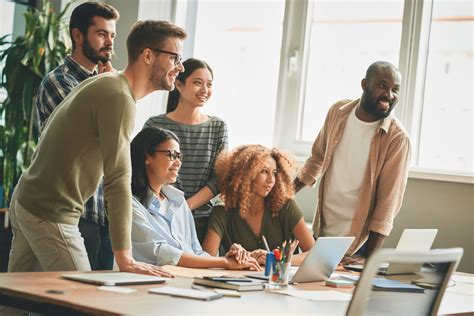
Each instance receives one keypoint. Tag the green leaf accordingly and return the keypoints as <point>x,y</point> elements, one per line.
<point>26,60</point>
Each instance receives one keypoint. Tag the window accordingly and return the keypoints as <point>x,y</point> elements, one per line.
<point>446,135</point>
<point>154,103</point>
<point>345,39</point>
<point>241,41</point>
<point>279,65</point>
<point>329,44</point>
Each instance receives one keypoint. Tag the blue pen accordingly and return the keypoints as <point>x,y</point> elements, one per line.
<point>268,262</point>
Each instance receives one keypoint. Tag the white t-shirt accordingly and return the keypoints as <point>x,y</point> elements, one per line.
<point>344,176</point>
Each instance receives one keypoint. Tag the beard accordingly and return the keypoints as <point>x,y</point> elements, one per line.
<point>94,55</point>
<point>371,105</point>
<point>159,78</point>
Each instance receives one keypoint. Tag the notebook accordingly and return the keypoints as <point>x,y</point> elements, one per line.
<point>187,293</point>
<point>243,285</point>
<point>411,240</point>
<point>383,284</point>
<point>114,278</point>
<point>320,261</point>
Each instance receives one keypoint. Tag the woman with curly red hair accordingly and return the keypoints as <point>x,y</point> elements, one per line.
<point>256,185</point>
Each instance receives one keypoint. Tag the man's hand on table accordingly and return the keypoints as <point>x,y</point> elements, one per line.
<point>126,263</point>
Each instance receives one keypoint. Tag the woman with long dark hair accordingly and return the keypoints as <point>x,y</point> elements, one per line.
<point>202,137</point>
<point>163,229</point>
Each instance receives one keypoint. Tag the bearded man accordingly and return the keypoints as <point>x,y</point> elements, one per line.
<point>362,155</point>
<point>92,31</point>
<point>87,136</point>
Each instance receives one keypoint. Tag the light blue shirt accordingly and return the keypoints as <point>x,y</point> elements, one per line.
<point>159,238</point>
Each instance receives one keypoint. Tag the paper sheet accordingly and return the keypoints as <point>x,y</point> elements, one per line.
<point>316,295</point>
<point>188,293</point>
<point>193,273</point>
<point>463,278</point>
<point>116,289</point>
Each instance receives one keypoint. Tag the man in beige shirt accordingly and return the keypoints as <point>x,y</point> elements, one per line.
<point>362,155</point>
<point>86,136</point>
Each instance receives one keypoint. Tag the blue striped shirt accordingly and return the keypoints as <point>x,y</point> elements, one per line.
<point>53,89</point>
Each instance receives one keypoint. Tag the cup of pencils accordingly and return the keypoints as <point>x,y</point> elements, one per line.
<point>280,263</point>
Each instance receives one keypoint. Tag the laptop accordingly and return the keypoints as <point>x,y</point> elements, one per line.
<point>114,278</point>
<point>319,263</point>
<point>412,240</point>
<point>433,279</point>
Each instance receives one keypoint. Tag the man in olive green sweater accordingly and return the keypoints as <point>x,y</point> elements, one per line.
<point>85,137</point>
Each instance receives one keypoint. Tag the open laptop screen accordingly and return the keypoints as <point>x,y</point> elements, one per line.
<point>431,280</point>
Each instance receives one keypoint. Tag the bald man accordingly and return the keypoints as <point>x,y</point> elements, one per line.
<point>362,155</point>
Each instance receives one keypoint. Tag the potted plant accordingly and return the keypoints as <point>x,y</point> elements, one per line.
<point>27,59</point>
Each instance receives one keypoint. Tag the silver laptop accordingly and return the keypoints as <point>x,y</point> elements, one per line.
<point>433,278</point>
<point>412,240</point>
<point>320,262</point>
<point>114,278</point>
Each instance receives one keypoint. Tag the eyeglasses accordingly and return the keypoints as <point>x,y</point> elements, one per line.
<point>172,154</point>
<point>177,57</point>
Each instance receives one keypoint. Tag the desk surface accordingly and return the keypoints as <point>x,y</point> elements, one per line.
<point>86,298</point>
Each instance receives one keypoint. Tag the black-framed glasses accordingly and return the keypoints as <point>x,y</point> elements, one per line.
<point>172,154</point>
<point>177,57</point>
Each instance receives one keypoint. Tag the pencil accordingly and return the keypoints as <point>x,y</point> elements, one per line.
<point>265,243</point>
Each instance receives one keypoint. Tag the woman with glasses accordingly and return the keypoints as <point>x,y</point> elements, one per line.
<point>202,138</point>
<point>257,188</point>
<point>162,225</point>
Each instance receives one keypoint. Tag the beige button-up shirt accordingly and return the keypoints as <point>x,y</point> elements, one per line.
<point>385,178</point>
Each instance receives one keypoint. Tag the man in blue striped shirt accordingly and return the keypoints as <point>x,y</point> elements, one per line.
<point>92,31</point>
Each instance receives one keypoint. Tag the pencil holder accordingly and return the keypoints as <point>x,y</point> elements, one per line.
<point>279,272</point>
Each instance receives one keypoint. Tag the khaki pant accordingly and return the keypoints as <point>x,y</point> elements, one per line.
<point>41,245</point>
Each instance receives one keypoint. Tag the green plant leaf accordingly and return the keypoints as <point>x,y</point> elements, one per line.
<point>27,59</point>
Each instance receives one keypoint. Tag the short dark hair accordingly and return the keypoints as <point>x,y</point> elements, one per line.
<point>82,15</point>
<point>190,65</point>
<point>150,34</point>
<point>142,145</point>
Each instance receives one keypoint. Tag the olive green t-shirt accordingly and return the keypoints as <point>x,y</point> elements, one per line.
<point>234,229</point>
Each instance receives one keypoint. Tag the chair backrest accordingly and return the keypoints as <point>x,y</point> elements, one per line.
<point>442,263</point>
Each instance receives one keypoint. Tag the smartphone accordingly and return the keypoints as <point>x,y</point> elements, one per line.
<point>354,267</point>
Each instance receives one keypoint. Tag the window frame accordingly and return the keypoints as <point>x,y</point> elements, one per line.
<point>292,76</point>
<point>416,27</point>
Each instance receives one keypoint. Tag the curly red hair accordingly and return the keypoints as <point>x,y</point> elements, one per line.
<point>237,170</point>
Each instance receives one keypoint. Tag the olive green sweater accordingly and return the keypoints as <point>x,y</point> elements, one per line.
<point>86,137</point>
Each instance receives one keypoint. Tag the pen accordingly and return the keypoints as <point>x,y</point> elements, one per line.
<point>265,243</point>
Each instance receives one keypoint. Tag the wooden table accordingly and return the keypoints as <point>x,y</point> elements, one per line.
<point>29,291</point>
